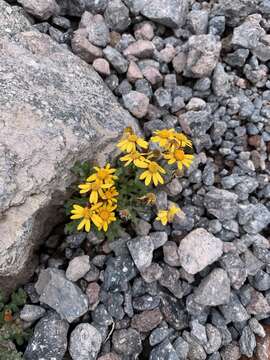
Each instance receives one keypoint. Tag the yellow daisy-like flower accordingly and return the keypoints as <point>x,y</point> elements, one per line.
<point>163,137</point>
<point>107,215</point>
<point>129,142</point>
<point>178,156</point>
<point>103,174</point>
<point>110,195</point>
<point>152,173</point>
<point>133,157</point>
<point>87,215</point>
<point>182,140</point>
<point>96,188</point>
<point>165,216</point>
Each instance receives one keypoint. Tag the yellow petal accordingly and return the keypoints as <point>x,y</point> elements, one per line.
<point>142,143</point>
<point>78,207</point>
<point>76,217</point>
<point>144,175</point>
<point>94,197</point>
<point>81,225</point>
<point>148,179</point>
<point>87,225</point>
<point>155,179</point>
<point>160,179</point>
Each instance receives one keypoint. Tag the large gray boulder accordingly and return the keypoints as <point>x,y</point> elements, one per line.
<point>54,110</point>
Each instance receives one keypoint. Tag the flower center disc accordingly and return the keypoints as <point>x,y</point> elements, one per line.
<point>153,167</point>
<point>104,214</point>
<point>86,213</point>
<point>179,155</point>
<point>102,174</point>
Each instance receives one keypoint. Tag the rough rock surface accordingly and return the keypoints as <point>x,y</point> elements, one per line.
<point>42,136</point>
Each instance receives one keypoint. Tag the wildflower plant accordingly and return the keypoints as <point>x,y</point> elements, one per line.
<point>113,196</point>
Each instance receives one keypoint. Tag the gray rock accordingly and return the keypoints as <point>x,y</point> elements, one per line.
<point>221,203</point>
<point>77,268</point>
<point>256,327</point>
<point>31,313</point>
<point>116,59</point>
<point>230,352</point>
<point>214,289</point>
<point>82,47</point>
<point>196,122</point>
<point>234,311</point>
<point>101,316</point>
<point>217,25</point>
<point>196,351</point>
<point>159,334</point>
<point>165,350</point>
<point>181,347</point>
<point>221,82</point>
<point>71,7</point>
<point>141,250</point>
<point>198,250</point>
<point>137,103</point>
<point>42,10</point>
<point>247,342</point>
<point>257,217</point>
<point>117,15</point>
<point>237,58</point>
<point>171,13</point>
<point>96,6</point>
<point>203,55</point>
<point>118,272</point>
<point>214,339</point>
<point>159,238</point>
<point>261,281</point>
<point>49,340</point>
<point>61,294</point>
<point>252,263</point>
<point>171,255</point>
<point>54,126</point>
<point>235,268</point>
<point>198,21</point>
<point>174,313</point>
<point>198,332</point>
<point>146,302</point>
<point>127,342</point>
<point>163,98</point>
<point>97,31</point>
<point>85,342</point>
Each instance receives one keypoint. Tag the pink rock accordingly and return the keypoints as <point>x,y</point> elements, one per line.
<point>134,73</point>
<point>102,66</point>
<point>82,47</point>
<point>92,292</point>
<point>137,103</point>
<point>167,54</point>
<point>179,63</point>
<point>153,75</point>
<point>147,320</point>
<point>141,49</point>
<point>144,31</point>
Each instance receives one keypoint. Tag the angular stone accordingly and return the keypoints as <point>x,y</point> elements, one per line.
<point>42,10</point>
<point>117,15</point>
<point>85,342</point>
<point>134,73</point>
<point>137,103</point>
<point>165,350</point>
<point>98,32</point>
<point>141,250</point>
<point>174,314</point>
<point>127,342</point>
<point>235,268</point>
<point>221,203</point>
<point>82,47</point>
<point>102,66</point>
<point>147,320</point>
<point>198,250</point>
<point>32,188</point>
<point>234,310</point>
<point>31,313</point>
<point>247,342</point>
<point>77,268</point>
<point>203,55</point>
<point>116,59</point>
<point>142,49</point>
<point>61,294</point>
<point>171,13</point>
<point>221,82</point>
<point>49,340</point>
<point>12,20</point>
<point>214,290</point>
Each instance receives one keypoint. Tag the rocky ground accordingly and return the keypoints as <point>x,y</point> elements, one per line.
<point>200,288</point>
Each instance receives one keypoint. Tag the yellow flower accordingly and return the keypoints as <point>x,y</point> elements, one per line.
<point>87,215</point>
<point>163,137</point>
<point>110,195</point>
<point>152,173</point>
<point>133,157</point>
<point>129,142</point>
<point>178,156</point>
<point>107,215</point>
<point>165,216</point>
<point>103,174</point>
<point>182,140</point>
<point>96,188</point>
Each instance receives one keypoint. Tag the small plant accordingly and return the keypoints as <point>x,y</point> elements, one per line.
<point>12,332</point>
<point>111,196</point>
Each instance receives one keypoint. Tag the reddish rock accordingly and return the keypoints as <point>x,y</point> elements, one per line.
<point>110,356</point>
<point>254,140</point>
<point>134,73</point>
<point>82,47</point>
<point>142,49</point>
<point>144,31</point>
<point>153,75</point>
<point>102,66</point>
<point>92,292</point>
<point>147,320</point>
<point>167,54</point>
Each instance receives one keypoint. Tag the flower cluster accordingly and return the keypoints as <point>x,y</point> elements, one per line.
<point>102,200</point>
<point>149,162</point>
<point>172,144</point>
